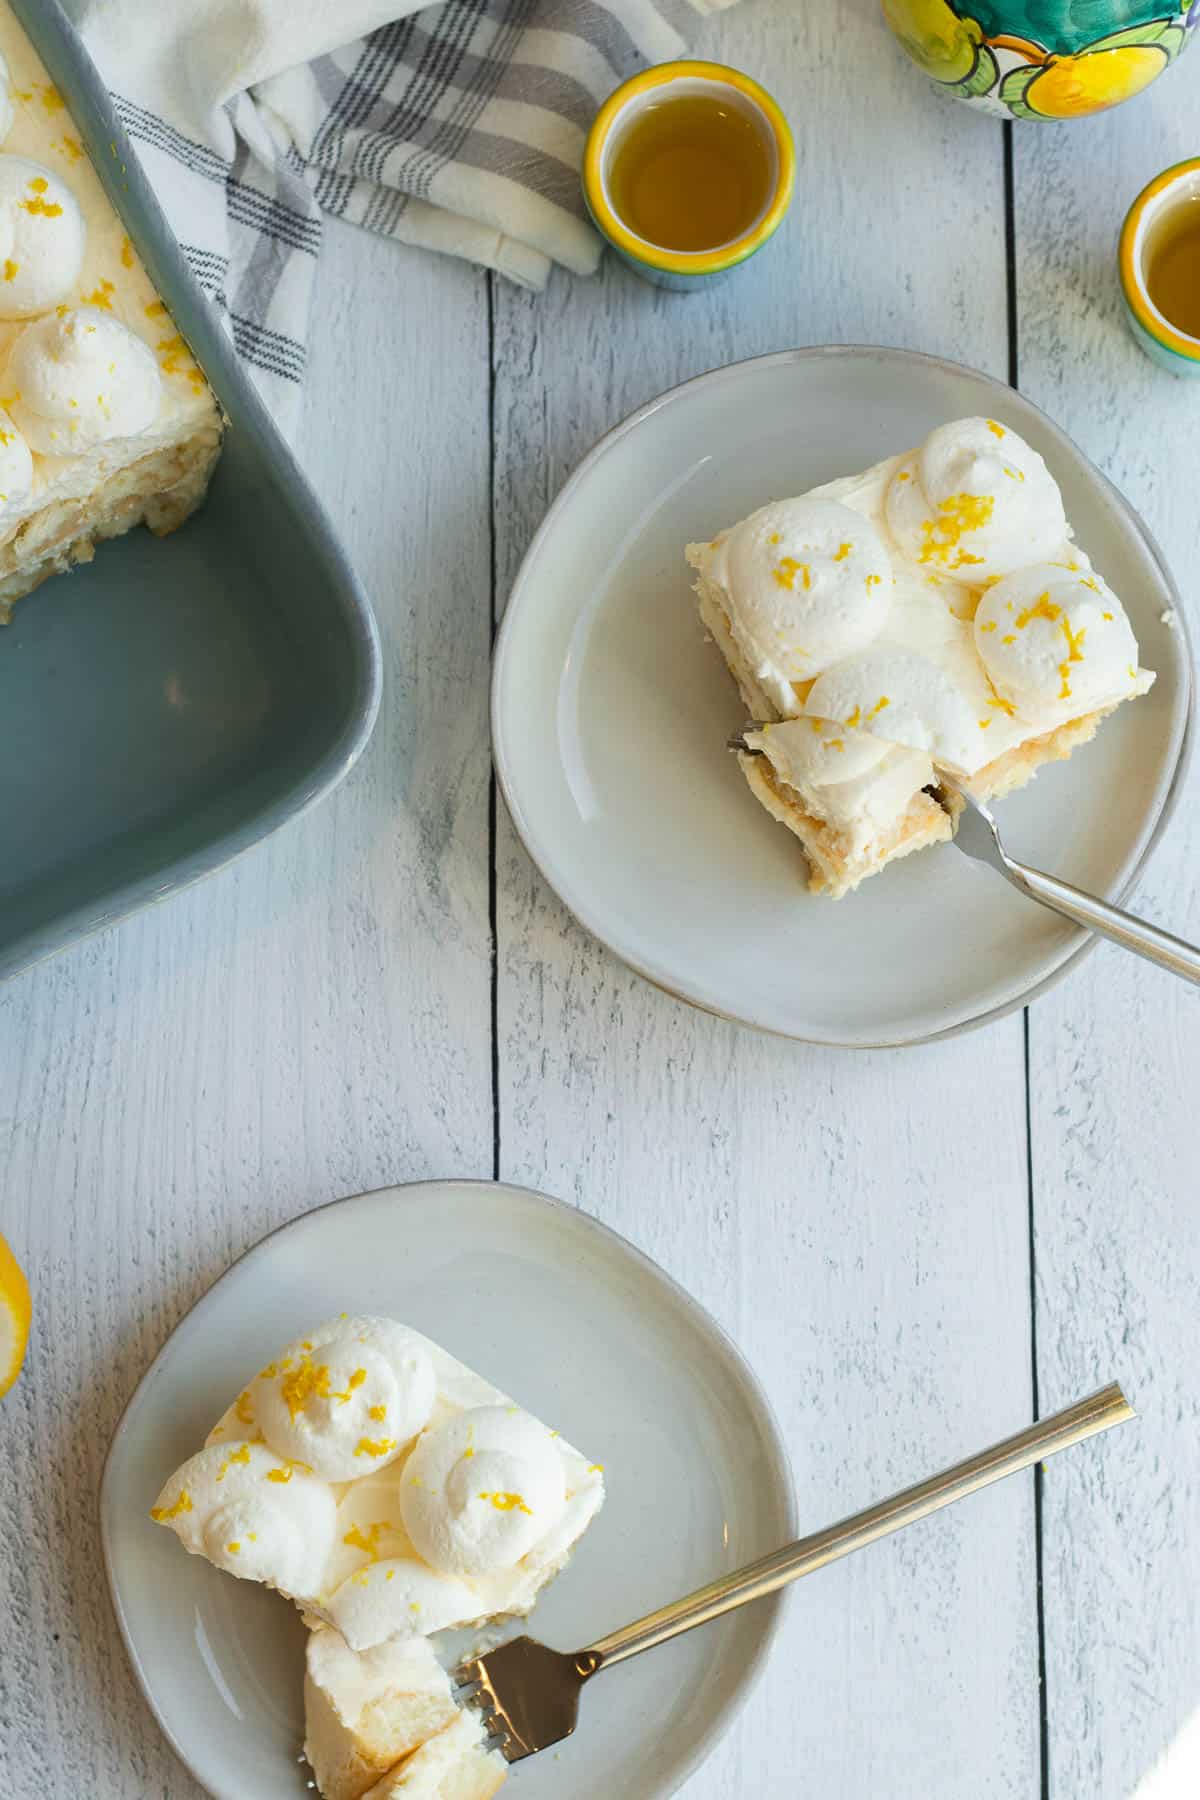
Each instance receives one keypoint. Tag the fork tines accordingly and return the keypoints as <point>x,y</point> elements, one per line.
<point>471,1688</point>
<point>737,740</point>
<point>466,1680</point>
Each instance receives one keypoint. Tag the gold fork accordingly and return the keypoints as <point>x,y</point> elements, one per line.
<point>529,1694</point>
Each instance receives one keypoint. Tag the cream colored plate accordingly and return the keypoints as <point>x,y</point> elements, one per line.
<point>610,714</point>
<point>586,1332</point>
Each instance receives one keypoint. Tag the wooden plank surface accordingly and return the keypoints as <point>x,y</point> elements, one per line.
<point>318,1020</point>
<point>312,1022</point>
<point>1114,1051</point>
<point>858,1222</point>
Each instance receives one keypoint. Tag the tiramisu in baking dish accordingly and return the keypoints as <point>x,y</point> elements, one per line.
<point>106,422</point>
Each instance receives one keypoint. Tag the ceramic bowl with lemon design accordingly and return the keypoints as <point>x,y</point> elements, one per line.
<point>1043,59</point>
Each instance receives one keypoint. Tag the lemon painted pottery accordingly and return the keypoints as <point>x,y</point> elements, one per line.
<point>1043,59</point>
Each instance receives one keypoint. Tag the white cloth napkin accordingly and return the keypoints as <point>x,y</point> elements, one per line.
<point>459,127</point>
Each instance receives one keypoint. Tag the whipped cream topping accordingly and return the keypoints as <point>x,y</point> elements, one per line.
<point>991,630</point>
<point>347,1399</point>
<point>855,782</point>
<point>375,1581</point>
<point>62,245</point>
<point>253,1514</point>
<point>903,698</point>
<point>808,582</point>
<point>976,501</point>
<point>481,1489</point>
<point>16,470</point>
<point>1053,636</point>
<point>398,1597</point>
<point>42,238</point>
<point>585,1497</point>
<point>933,619</point>
<point>79,378</point>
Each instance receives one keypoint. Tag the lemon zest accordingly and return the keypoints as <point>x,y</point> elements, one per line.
<point>163,1514</point>
<point>374,1446</point>
<point>507,1503</point>
<point>241,1455</point>
<point>959,514</point>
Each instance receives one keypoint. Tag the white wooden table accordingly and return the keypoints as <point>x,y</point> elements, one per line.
<point>916,1250</point>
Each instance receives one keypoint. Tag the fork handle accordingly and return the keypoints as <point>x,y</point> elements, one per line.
<point>1110,921</point>
<point>1100,1410</point>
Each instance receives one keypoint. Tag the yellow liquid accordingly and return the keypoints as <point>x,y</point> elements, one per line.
<point>1173,267</point>
<point>690,173</point>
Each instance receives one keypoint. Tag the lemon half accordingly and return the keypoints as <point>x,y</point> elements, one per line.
<point>14,1317</point>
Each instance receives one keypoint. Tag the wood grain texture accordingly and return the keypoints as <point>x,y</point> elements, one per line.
<point>857,1222</point>
<point>311,1022</point>
<point>1114,1052</point>
<point>317,1020</point>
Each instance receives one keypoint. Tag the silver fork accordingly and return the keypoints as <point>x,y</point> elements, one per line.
<point>529,1694</point>
<point>979,836</point>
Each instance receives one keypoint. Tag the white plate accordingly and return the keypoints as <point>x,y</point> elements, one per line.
<point>610,714</point>
<point>586,1332</point>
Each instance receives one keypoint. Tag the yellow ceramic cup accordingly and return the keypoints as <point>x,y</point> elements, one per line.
<point>686,269</point>
<point>1162,341</point>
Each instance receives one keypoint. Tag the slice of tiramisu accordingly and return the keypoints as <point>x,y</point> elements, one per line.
<point>391,1493</point>
<point>933,613</point>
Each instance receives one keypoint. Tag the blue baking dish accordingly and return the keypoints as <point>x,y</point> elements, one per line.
<point>172,703</point>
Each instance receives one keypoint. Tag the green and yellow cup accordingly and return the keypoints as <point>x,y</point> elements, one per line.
<point>1158,210</point>
<point>681,167</point>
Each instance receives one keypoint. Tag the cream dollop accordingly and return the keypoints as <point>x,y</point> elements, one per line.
<point>252,1513</point>
<point>808,581</point>
<point>974,502</point>
<point>481,1489</point>
<point>6,105</point>
<point>584,1501</point>
<point>78,379</point>
<point>346,1399</point>
<point>902,698</point>
<point>398,1597</point>
<point>42,238</point>
<point>856,782</point>
<point>1051,636</point>
<point>16,471</point>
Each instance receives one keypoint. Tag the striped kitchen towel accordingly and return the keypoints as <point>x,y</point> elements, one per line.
<point>459,127</point>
